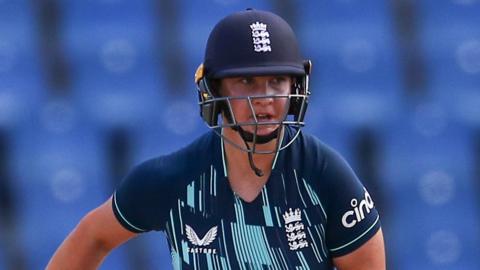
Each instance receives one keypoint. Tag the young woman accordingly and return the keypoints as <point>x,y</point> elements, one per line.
<point>255,192</point>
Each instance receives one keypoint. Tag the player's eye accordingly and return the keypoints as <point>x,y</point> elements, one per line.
<point>246,80</point>
<point>279,79</point>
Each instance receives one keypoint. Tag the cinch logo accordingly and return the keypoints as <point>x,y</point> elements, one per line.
<point>352,217</point>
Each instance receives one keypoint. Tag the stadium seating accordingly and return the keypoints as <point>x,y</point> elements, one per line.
<point>451,45</point>
<point>60,177</point>
<point>111,45</point>
<point>20,73</point>
<point>430,183</point>
<point>60,159</point>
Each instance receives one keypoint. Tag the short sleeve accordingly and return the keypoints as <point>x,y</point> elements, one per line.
<point>351,216</point>
<point>140,203</point>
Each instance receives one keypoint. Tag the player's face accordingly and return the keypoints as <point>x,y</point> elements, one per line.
<point>265,109</point>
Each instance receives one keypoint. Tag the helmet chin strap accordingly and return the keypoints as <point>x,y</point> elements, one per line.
<point>260,139</point>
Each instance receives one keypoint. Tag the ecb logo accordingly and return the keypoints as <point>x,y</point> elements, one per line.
<point>295,229</point>
<point>261,37</point>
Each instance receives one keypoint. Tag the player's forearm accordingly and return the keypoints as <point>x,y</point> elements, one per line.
<point>78,251</point>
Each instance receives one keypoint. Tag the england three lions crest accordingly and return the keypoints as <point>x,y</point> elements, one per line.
<point>260,37</point>
<point>294,229</point>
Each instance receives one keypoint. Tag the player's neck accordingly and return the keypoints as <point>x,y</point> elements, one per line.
<point>237,160</point>
<point>243,179</point>
<point>234,137</point>
<point>240,157</point>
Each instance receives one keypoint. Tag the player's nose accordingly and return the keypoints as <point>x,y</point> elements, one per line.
<point>263,98</point>
<point>263,92</point>
<point>264,87</point>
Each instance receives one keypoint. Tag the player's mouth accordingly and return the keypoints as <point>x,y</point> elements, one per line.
<point>264,117</point>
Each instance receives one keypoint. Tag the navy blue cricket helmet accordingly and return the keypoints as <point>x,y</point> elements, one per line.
<point>251,43</point>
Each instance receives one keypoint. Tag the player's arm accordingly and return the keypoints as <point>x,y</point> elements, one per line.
<point>353,231</point>
<point>369,256</point>
<point>93,238</point>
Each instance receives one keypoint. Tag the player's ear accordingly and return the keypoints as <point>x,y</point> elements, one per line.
<point>293,79</point>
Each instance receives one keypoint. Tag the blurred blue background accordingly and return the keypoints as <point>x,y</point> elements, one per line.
<point>88,88</point>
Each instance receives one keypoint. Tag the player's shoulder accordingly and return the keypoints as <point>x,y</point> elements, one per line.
<point>321,159</point>
<point>312,142</point>
<point>154,184</point>
<point>313,148</point>
<point>182,161</point>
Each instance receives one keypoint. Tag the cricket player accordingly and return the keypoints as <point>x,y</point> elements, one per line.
<point>253,193</point>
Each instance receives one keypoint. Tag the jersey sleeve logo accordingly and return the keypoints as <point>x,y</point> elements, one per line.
<point>205,241</point>
<point>357,214</point>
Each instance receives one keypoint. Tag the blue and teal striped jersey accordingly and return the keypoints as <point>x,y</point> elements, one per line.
<point>311,209</point>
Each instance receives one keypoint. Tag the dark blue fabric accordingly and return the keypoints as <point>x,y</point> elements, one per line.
<point>230,47</point>
<point>186,194</point>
